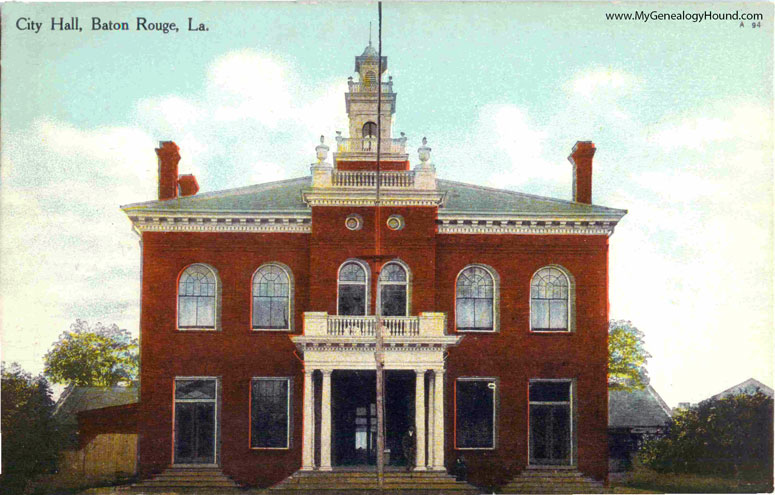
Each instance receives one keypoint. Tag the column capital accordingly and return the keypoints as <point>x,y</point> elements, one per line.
<point>327,372</point>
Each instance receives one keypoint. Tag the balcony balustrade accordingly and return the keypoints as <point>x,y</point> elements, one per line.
<point>364,327</point>
<point>361,87</point>
<point>368,178</point>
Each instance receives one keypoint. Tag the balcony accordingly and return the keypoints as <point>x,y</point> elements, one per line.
<point>364,327</point>
<point>368,178</point>
<point>361,87</point>
<point>369,145</point>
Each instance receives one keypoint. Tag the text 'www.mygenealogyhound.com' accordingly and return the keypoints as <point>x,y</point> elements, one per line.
<point>708,15</point>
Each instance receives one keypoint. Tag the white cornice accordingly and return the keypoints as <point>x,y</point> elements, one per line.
<point>148,221</point>
<point>534,224</point>
<point>367,197</point>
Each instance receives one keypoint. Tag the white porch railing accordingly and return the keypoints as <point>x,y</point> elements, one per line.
<point>361,87</point>
<point>369,145</point>
<point>368,178</point>
<point>324,325</point>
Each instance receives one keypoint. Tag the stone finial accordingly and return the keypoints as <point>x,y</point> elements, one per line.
<point>322,151</point>
<point>425,152</point>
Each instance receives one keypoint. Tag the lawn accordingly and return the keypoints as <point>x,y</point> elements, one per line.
<point>650,481</point>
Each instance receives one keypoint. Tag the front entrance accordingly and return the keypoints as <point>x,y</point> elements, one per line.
<point>195,420</point>
<point>354,416</point>
<point>551,439</point>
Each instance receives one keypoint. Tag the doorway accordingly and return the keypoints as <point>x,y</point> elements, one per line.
<point>354,416</point>
<point>195,420</point>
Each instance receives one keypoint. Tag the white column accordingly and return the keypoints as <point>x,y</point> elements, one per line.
<point>419,419</point>
<point>325,422</point>
<point>438,421</point>
<point>307,449</point>
<point>431,420</point>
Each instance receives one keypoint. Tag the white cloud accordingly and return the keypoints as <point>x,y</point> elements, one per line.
<point>601,81</point>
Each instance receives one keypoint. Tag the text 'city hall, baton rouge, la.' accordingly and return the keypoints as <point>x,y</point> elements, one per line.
<point>97,24</point>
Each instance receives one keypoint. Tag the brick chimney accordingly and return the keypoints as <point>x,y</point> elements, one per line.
<point>188,185</point>
<point>581,158</point>
<point>168,169</point>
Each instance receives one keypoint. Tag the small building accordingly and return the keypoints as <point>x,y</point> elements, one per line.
<point>633,416</point>
<point>748,387</point>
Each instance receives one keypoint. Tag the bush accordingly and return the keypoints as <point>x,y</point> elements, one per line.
<point>729,436</point>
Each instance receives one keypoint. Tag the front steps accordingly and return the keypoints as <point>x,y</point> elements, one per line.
<point>360,482</point>
<point>177,479</point>
<point>552,480</point>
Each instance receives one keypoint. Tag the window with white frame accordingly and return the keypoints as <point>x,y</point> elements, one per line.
<point>551,422</point>
<point>353,289</point>
<point>196,420</point>
<point>475,300</point>
<point>270,413</point>
<point>271,298</point>
<point>550,300</point>
<point>393,290</point>
<point>197,298</point>
<point>475,413</point>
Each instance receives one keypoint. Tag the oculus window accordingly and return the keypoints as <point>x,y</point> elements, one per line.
<point>475,401</point>
<point>270,405</point>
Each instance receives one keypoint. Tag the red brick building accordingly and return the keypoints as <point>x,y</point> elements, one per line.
<point>258,304</point>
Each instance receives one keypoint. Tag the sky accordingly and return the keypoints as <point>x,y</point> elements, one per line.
<point>681,113</point>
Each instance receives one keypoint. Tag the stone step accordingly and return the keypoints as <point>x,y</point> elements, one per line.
<point>355,482</point>
<point>189,479</point>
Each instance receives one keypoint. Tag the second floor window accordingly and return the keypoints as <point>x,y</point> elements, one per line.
<point>393,290</point>
<point>352,289</point>
<point>549,300</point>
<point>475,300</point>
<point>271,298</point>
<point>197,294</point>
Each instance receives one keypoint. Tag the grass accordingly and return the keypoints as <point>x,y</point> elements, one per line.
<point>650,481</point>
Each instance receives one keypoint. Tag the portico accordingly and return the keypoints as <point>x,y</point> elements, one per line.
<point>347,343</point>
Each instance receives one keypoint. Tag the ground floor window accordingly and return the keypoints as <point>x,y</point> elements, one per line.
<point>196,420</point>
<point>270,413</point>
<point>475,409</point>
<point>551,421</point>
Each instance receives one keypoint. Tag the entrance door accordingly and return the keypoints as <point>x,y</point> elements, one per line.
<point>550,422</point>
<point>195,420</point>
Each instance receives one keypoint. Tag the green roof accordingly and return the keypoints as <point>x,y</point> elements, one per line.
<point>639,408</point>
<point>80,398</point>
<point>286,196</point>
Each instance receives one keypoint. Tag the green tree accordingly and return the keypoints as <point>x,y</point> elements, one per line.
<point>731,436</point>
<point>31,438</point>
<point>627,357</point>
<point>99,356</point>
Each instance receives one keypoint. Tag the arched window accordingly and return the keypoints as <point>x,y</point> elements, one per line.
<point>369,130</point>
<point>550,300</point>
<point>353,289</point>
<point>476,299</point>
<point>197,295</point>
<point>271,298</point>
<point>369,78</point>
<point>393,294</point>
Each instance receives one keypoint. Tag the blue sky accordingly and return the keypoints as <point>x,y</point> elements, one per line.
<point>681,114</point>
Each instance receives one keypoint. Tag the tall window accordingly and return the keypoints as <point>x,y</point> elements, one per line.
<point>270,407</point>
<point>393,290</point>
<point>197,293</point>
<point>550,422</point>
<point>196,420</point>
<point>475,300</point>
<point>475,400</point>
<point>352,289</point>
<point>271,298</point>
<point>550,300</point>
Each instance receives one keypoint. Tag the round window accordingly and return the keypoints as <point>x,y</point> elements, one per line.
<point>395,222</point>
<point>354,222</point>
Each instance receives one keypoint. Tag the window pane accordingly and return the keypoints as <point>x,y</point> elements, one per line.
<point>475,404</point>
<point>269,413</point>
<point>549,391</point>
<point>558,311</point>
<point>393,300</point>
<point>540,314</point>
<point>352,272</point>
<point>352,300</point>
<point>205,313</point>
<point>195,389</point>
<point>187,311</point>
<point>483,314</point>
<point>261,310</point>
<point>465,313</point>
<point>279,313</point>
